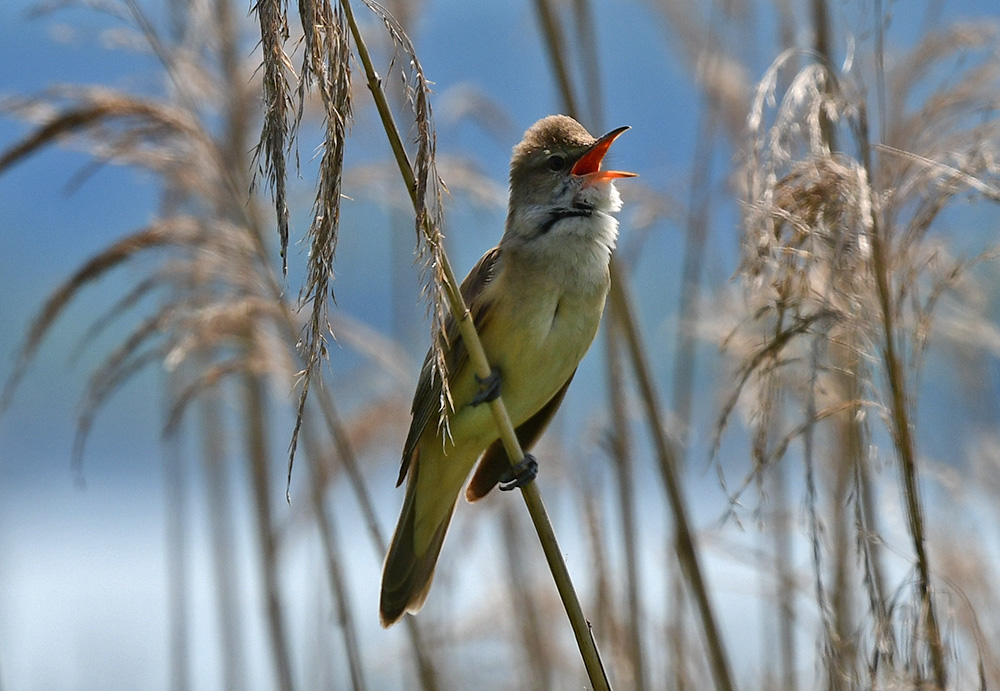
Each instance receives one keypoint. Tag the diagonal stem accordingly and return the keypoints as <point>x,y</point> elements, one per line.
<point>319,482</point>
<point>477,356</point>
<point>902,431</point>
<point>622,308</point>
<point>687,554</point>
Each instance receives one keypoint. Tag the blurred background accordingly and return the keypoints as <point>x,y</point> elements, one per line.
<point>145,537</point>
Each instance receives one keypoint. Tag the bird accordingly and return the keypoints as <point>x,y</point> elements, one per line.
<point>536,300</point>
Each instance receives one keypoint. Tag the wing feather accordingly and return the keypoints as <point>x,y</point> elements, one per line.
<point>426,408</point>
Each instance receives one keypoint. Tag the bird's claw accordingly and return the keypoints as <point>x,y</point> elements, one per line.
<point>519,475</point>
<point>489,388</point>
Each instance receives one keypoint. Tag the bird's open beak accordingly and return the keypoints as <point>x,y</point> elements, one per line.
<point>589,165</point>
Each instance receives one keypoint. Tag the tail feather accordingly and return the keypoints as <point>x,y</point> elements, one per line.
<point>407,575</point>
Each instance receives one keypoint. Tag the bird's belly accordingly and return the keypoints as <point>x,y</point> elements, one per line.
<point>544,349</point>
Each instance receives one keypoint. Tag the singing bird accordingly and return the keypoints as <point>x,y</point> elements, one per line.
<point>536,300</point>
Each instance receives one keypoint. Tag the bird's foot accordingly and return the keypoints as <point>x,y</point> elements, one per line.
<point>519,475</point>
<point>489,388</point>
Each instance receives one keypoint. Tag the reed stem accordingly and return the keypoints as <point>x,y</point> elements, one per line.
<point>687,554</point>
<point>901,426</point>
<point>477,356</point>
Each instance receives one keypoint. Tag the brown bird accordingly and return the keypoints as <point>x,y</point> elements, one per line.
<point>536,300</point>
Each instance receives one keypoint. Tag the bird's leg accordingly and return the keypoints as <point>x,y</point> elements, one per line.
<point>519,475</point>
<point>489,388</point>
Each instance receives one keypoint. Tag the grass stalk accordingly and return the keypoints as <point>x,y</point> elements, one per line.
<point>220,513</point>
<point>815,523</point>
<point>840,647</point>
<point>871,560</point>
<point>821,43</point>
<point>687,553</point>
<point>695,237</point>
<point>326,520</point>
<point>477,356</point>
<point>622,455</point>
<point>902,431</point>
<point>685,360</point>
<point>586,45</point>
<point>177,547</point>
<point>425,664</point>
<point>538,665</point>
<point>557,50</point>
<point>255,428</point>
<point>784,595</point>
<point>601,578</point>
<point>848,453</point>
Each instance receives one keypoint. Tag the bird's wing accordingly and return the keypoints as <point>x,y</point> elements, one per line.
<point>495,461</point>
<point>426,406</point>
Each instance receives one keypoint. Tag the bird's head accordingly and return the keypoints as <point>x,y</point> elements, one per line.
<point>558,166</point>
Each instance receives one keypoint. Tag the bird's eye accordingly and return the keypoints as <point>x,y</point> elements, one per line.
<point>556,162</point>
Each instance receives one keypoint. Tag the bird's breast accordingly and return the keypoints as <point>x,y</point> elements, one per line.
<point>544,326</point>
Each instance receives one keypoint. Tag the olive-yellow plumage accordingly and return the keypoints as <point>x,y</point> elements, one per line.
<point>536,300</point>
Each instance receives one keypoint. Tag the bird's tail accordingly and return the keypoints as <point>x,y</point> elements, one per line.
<point>409,565</point>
